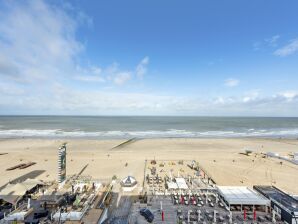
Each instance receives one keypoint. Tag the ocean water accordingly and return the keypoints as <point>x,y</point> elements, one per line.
<point>102,127</point>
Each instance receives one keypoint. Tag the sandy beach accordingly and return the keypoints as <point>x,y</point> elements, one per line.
<point>222,158</point>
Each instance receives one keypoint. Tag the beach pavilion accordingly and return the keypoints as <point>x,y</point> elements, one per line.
<point>129,183</point>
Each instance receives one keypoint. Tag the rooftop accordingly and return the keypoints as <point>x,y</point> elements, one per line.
<point>279,196</point>
<point>242,195</point>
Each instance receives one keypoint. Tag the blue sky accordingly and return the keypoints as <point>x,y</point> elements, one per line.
<point>222,58</point>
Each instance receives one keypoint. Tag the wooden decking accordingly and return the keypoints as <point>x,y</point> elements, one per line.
<point>95,213</point>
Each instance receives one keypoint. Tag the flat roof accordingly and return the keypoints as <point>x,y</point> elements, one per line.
<point>280,197</point>
<point>235,195</point>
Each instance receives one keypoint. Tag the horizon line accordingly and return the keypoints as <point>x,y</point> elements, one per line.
<point>202,116</point>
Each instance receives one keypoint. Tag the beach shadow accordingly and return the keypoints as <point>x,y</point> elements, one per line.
<point>83,169</point>
<point>31,175</point>
<point>245,154</point>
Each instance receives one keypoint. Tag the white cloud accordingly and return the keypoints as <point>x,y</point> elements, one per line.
<point>287,50</point>
<point>251,95</point>
<point>116,75</point>
<point>141,68</point>
<point>38,45</point>
<point>8,68</point>
<point>121,77</point>
<point>272,41</point>
<point>89,78</point>
<point>38,40</point>
<point>289,95</point>
<point>232,82</point>
<point>96,70</point>
<point>63,100</point>
<point>11,89</point>
<point>89,74</point>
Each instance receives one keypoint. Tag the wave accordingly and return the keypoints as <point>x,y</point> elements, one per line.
<point>170,133</point>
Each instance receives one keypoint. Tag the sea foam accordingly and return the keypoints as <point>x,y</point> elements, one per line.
<point>170,133</point>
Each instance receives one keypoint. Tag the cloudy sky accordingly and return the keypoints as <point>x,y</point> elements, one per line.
<point>230,57</point>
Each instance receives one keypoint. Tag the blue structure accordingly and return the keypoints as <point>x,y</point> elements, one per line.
<point>285,206</point>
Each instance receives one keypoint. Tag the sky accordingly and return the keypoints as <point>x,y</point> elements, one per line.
<point>185,58</point>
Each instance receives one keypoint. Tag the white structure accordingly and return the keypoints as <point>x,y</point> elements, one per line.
<point>296,156</point>
<point>72,216</point>
<point>129,183</point>
<point>181,183</point>
<point>172,185</point>
<point>272,154</point>
<point>286,158</point>
<point>15,216</point>
<point>234,195</point>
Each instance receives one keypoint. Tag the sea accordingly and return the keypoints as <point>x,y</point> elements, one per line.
<point>119,127</point>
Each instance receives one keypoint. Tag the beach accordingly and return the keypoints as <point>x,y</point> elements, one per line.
<point>224,159</point>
